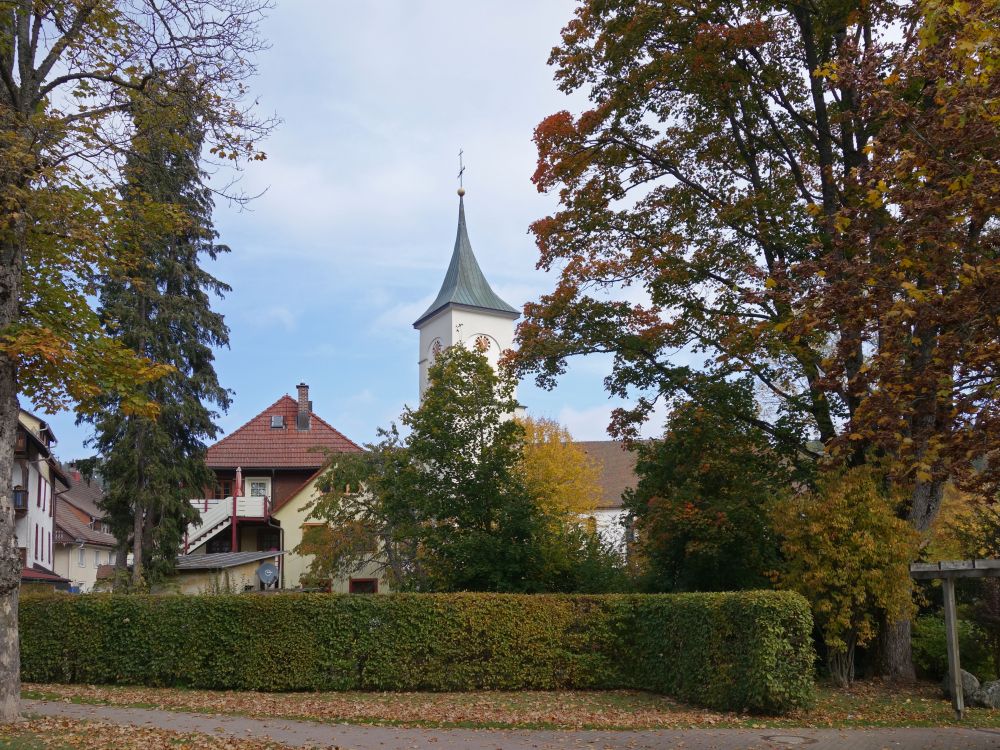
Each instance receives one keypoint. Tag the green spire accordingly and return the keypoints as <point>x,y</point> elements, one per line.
<point>464,284</point>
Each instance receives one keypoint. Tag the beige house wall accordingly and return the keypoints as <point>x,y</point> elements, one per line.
<point>66,563</point>
<point>293,516</point>
<point>227,581</point>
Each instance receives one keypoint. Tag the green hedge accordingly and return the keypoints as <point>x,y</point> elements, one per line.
<point>741,651</point>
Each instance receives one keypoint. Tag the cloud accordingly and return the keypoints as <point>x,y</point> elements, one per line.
<point>586,424</point>
<point>272,316</point>
<point>592,423</point>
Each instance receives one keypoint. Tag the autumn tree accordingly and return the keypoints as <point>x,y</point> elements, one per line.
<point>160,307</point>
<point>363,521</point>
<point>557,472</point>
<point>805,194</point>
<point>847,551</point>
<point>706,490</point>
<point>69,71</point>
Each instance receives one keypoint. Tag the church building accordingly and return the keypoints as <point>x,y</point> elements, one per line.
<point>466,311</point>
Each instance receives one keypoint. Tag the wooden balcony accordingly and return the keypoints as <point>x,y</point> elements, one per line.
<point>19,499</point>
<point>246,507</point>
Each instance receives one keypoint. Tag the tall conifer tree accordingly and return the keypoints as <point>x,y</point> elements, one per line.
<point>162,309</point>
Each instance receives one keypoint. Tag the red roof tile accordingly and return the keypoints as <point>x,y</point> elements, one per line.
<point>257,445</point>
<point>34,574</point>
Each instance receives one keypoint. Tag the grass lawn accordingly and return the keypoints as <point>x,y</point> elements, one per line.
<point>868,704</point>
<point>61,734</point>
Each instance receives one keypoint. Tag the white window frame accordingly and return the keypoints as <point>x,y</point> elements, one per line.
<point>82,560</point>
<point>249,482</point>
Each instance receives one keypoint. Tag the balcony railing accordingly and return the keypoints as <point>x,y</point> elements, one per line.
<point>251,507</point>
<point>19,499</point>
<point>246,507</point>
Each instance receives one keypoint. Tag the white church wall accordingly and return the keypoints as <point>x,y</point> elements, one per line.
<point>457,325</point>
<point>609,527</point>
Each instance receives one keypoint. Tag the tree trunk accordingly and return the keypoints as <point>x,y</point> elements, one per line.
<point>841,664</point>
<point>896,659</point>
<point>137,531</point>
<point>10,560</point>
<point>896,654</point>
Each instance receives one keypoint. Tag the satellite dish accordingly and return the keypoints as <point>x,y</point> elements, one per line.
<point>267,573</point>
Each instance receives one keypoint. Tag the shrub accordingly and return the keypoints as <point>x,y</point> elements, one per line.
<point>848,552</point>
<point>930,648</point>
<point>739,651</point>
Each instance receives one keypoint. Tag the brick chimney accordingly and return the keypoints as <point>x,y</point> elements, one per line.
<point>305,406</point>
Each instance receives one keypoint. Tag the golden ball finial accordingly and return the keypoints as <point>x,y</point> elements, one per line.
<point>461,192</point>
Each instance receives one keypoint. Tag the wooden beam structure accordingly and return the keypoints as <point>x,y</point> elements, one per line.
<point>948,571</point>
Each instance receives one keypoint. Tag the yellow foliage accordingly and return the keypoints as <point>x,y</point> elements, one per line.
<point>560,475</point>
<point>955,522</point>
<point>848,553</point>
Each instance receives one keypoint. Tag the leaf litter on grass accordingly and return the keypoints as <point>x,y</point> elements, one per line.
<point>869,703</point>
<point>68,734</point>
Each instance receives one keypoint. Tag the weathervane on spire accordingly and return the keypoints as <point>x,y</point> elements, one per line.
<point>461,171</point>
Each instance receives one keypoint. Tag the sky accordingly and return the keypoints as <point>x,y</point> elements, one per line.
<point>352,233</point>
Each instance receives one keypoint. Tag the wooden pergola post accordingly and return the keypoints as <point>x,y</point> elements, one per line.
<point>948,571</point>
<point>951,634</point>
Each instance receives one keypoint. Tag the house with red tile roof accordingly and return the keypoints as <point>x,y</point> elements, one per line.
<point>265,478</point>
<point>82,538</point>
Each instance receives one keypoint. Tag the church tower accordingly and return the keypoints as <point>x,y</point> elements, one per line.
<point>466,310</point>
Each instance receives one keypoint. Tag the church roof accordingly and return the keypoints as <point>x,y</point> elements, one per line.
<point>464,283</point>
<point>616,470</point>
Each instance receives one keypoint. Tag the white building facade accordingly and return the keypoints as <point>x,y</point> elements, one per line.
<point>33,493</point>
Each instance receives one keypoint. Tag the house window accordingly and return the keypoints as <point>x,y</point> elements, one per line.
<point>83,555</point>
<point>97,558</point>
<point>42,501</point>
<point>221,543</point>
<point>363,586</point>
<point>258,488</point>
<point>224,489</point>
<point>21,441</point>
<point>268,539</point>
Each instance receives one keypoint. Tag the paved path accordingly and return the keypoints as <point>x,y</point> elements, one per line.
<point>359,737</point>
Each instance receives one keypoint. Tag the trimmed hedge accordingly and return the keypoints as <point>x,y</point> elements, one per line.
<point>738,651</point>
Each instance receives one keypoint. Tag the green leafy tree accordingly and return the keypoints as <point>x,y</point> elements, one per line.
<point>162,310</point>
<point>68,69</point>
<point>804,193</point>
<point>702,506</point>
<point>849,554</point>
<point>477,518</point>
